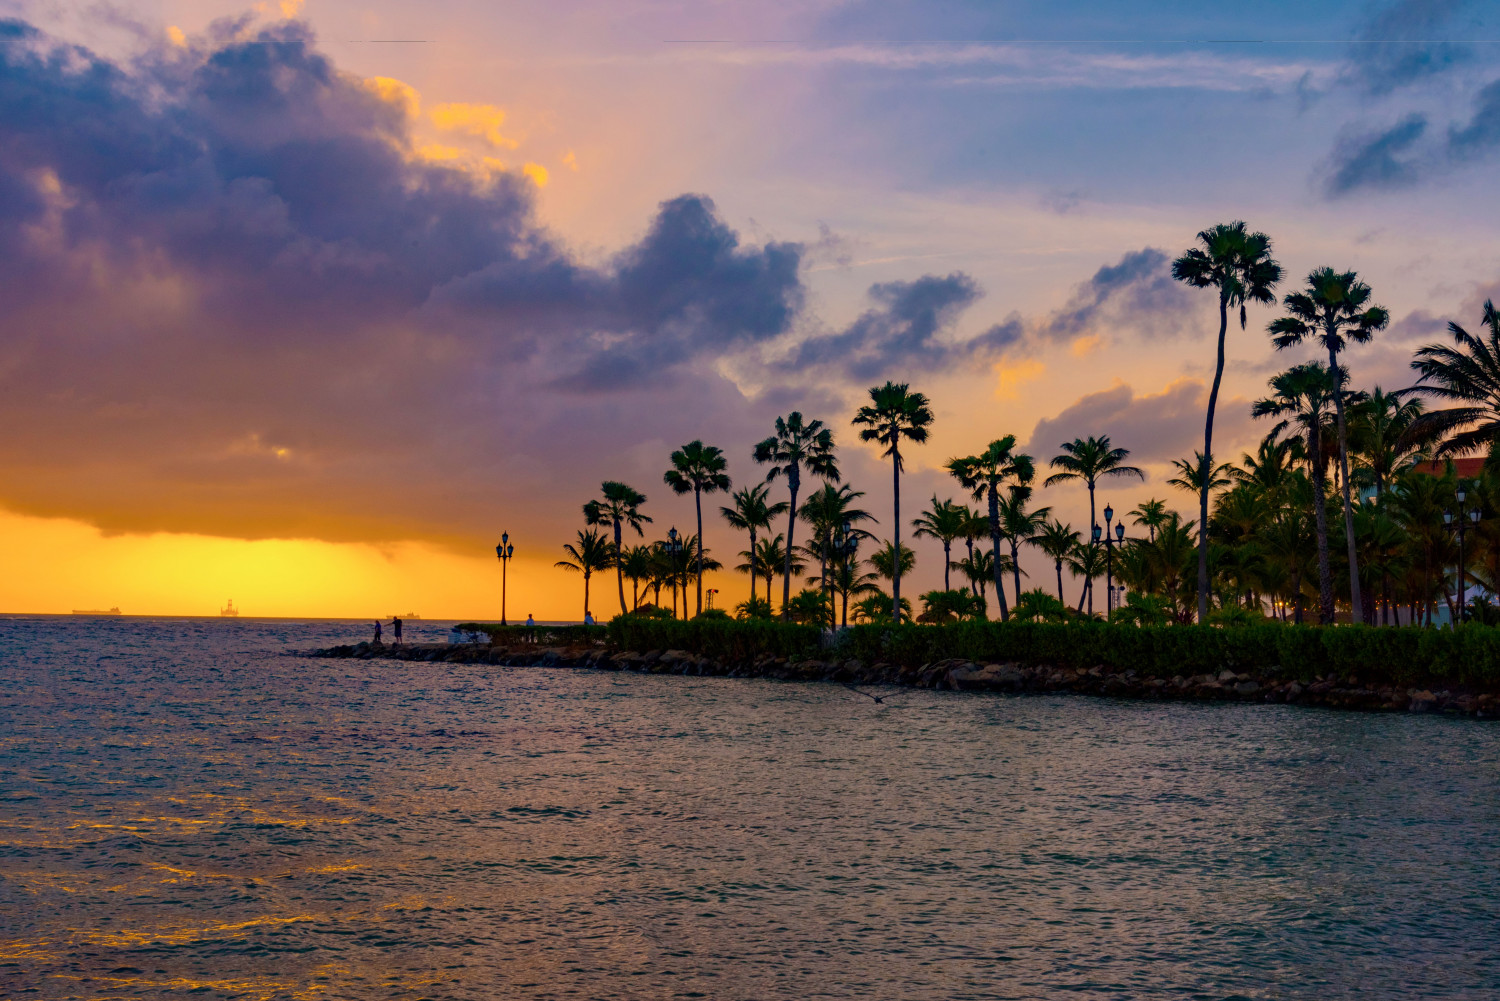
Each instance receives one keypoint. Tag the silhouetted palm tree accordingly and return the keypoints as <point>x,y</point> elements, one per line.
<point>885,563</point>
<point>1019,525</point>
<point>1468,373</point>
<point>829,512</point>
<point>984,474</point>
<point>620,506</point>
<point>1238,265</point>
<point>893,413</point>
<point>943,521</point>
<point>698,468</point>
<point>1057,541</point>
<point>1150,515</point>
<point>796,445</point>
<point>636,566</point>
<point>1190,474</point>
<point>751,513</point>
<point>769,558</point>
<point>1089,459</point>
<point>1302,395</point>
<point>1334,309</point>
<point>591,552</point>
<point>1380,433</point>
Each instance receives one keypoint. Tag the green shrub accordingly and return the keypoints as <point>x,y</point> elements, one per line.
<point>722,639</point>
<point>541,635</point>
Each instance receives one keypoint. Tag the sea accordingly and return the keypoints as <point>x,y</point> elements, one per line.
<point>195,808</point>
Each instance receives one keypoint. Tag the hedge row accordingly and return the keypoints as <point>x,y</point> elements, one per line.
<point>545,635</point>
<point>1470,655</point>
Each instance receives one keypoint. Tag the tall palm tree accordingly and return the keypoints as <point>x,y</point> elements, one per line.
<point>1238,265</point>
<point>1335,309</point>
<point>591,552</point>
<point>1150,515</point>
<point>893,413</point>
<point>1089,459</point>
<point>635,564</point>
<point>1468,374</point>
<point>768,558</point>
<point>620,506</point>
<point>1190,474</point>
<point>984,474</point>
<point>846,576</point>
<point>1019,524</point>
<point>796,445</point>
<point>943,521</point>
<point>1057,541</point>
<point>751,513</point>
<point>698,468</point>
<point>976,527</point>
<point>1302,395</point>
<point>1086,561</point>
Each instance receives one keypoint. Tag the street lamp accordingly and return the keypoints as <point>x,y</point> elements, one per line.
<point>845,544</point>
<point>1465,517</point>
<point>504,551</point>
<point>1110,541</point>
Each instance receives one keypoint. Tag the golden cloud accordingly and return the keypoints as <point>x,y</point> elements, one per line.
<point>481,121</point>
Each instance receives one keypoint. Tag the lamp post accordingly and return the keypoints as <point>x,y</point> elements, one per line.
<point>504,551</point>
<point>1465,516</point>
<point>674,547</point>
<point>845,543</point>
<point>1111,539</point>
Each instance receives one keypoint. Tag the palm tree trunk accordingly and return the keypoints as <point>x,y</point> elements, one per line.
<point>1015,567</point>
<point>752,568</point>
<point>1059,583</point>
<point>947,559</point>
<point>585,595</point>
<point>1088,585</point>
<point>1208,454</point>
<point>995,551</point>
<point>896,530</point>
<point>619,567</point>
<point>1356,607</point>
<point>698,503</point>
<point>1320,509</point>
<point>793,480</point>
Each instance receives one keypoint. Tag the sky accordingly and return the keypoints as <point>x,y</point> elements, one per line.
<point>305,303</point>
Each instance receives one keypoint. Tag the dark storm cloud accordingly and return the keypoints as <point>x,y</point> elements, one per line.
<point>1408,41</point>
<point>1383,159</point>
<point>1137,292</point>
<point>238,302</point>
<point>1482,133</point>
<point>902,332</point>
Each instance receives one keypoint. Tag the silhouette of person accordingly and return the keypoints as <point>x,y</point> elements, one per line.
<point>530,628</point>
<point>377,630</point>
<point>588,617</point>
<point>396,624</point>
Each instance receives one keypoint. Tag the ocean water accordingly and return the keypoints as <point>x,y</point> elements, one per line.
<point>188,809</point>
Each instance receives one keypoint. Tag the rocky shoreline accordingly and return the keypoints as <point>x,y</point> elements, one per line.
<point>959,675</point>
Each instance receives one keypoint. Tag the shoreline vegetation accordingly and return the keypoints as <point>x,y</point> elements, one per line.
<point>1392,670</point>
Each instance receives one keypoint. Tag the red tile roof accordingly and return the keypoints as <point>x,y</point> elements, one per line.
<point>1467,468</point>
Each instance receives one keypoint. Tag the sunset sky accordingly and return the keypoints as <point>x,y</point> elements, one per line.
<point>304,304</point>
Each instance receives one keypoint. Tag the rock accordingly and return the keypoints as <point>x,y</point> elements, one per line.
<point>1225,675</point>
<point>1246,688</point>
<point>1293,690</point>
<point>1421,701</point>
<point>676,655</point>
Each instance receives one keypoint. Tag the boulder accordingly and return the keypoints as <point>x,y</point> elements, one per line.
<point>1246,688</point>
<point>1421,701</point>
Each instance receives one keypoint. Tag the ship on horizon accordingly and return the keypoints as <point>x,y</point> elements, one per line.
<point>407,616</point>
<point>114,610</point>
<point>229,611</point>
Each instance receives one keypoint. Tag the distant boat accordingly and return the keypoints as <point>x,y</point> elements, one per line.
<point>408,615</point>
<point>97,611</point>
<point>229,611</point>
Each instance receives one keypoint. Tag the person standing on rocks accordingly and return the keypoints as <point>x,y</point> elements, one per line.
<point>396,626</point>
<point>377,632</point>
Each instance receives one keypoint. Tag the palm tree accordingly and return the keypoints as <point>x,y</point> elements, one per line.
<point>1302,395</point>
<point>1018,525</point>
<point>980,569</point>
<point>795,445</point>
<point>751,513</point>
<point>976,526</point>
<point>1335,309</point>
<point>943,521</point>
<point>769,557</point>
<point>893,413</point>
<point>635,564</point>
<point>620,506</point>
<point>984,474</point>
<point>1190,474</point>
<point>846,577</point>
<point>1088,459</point>
<point>1057,541</point>
<point>698,468</point>
<point>591,552</point>
<point>1468,373</point>
<point>885,563</point>
<point>829,514</point>
<point>1086,561</point>
<point>1238,265</point>
<point>1150,515</point>
<point>1381,432</point>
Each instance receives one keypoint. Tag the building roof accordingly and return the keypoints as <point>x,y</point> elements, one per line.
<point>1467,468</point>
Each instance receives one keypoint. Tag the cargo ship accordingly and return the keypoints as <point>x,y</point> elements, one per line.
<point>98,611</point>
